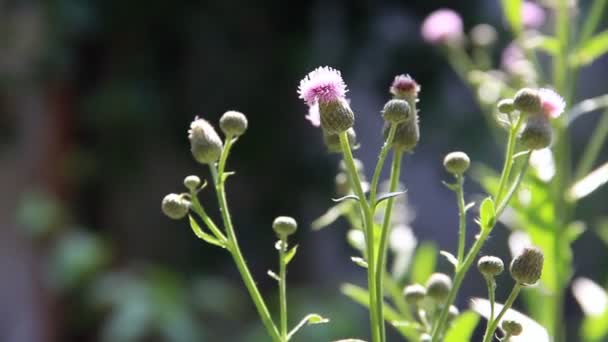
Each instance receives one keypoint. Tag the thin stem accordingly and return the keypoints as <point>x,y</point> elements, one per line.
<point>373,190</point>
<point>386,227</point>
<point>283,288</point>
<point>505,308</point>
<point>504,177</point>
<point>491,284</point>
<point>368,228</point>
<point>592,20</point>
<point>233,246</point>
<point>200,211</point>
<point>593,148</point>
<point>461,217</point>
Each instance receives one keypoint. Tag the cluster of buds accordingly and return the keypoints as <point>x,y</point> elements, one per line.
<point>402,111</point>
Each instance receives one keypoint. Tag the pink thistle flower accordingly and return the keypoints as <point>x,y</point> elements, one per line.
<point>324,84</point>
<point>533,16</point>
<point>511,57</point>
<point>552,104</point>
<point>404,85</point>
<point>442,26</point>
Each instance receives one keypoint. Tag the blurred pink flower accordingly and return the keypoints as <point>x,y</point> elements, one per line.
<point>533,16</point>
<point>324,84</point>
<point>552,104</point>
<point>511,56</point>
<point>441,26</point>
<point>404,85</point>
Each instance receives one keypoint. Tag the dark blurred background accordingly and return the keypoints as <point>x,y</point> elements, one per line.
<point>95,102</point>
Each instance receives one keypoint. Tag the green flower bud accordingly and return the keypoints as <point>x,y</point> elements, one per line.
<point>205,144</point>
<point>506,106</point>
<point>284,226</point>
<point>175,206</point>
<point>192,182</point>
<point>396,111</point>
<point>456,162</point>
<point>438,286</point>
<point>407,134</point>
<point>537,134</point>
<point>332,140</point>
<point>233,123</point>
<point>336,116</point>
<point>414,293</point>
<point>527,267</point>
<point>511,327</point>
<point>453,312</point>
<point>527,100</point>
<point>490,266</point>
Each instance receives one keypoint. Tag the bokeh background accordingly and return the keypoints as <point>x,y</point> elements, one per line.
<point>96,97</point>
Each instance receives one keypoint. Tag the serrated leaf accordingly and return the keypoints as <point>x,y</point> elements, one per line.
<point>512,10</point>
<point>590,50</point>
<point>273,275</point>
<point>487,213</point>
<point>359,261</point>
<point>389,195</point>
<point>450,257</point>
<point>423,265</point>
<point>462,327</point>
<point>203,235</point>
<point>309,319</point>
<point>290,254</point>
<point>344,198</point>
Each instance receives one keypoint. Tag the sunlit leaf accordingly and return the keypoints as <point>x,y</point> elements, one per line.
<point>450,257</point>
<point>310,319</point>
<point>462,328</point>
<point>290,254</point>
<point>512,10</point>
<point>273,275</point>
<point>389,195</point>
<point>203,235</point>
<point>424,262</point>
<point>487,213</point>
<point>344,198</point>
<point>331,215</point>
<point>592,49</point>
<point>550,45</point>
<point>593,300</point>
<point>588,184</point>
<point>359,261</point>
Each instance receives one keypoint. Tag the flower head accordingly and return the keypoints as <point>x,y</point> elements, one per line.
<point>404,85</point>
<point>322,85</point>
<point>552,104</point>
<point>533,16</point>
<point>442,26</point>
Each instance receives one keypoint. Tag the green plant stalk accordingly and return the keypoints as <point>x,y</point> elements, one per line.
<point>593,148</point>
<point>373,190</point>
<point>283,288</point>
<point>386,227</point>
<point>368,225</point>
<point>462,218</point>
<point>490,332</point>
<point>200,211</point>
<point>491,283</point>
<point>233,246</point>
<point>504,177</point>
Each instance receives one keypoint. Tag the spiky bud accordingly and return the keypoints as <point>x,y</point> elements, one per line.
<point>505,106</point>
<point>396,111</point>
<point>175,206</point>
<point>407,134</point>
<point>414,293</point>
<point>453,312</point>
<point>332,140</point>
<point>490,266</point>
<point>205,144</point>
<point>438,286</point>
<point>233,123</point>
<point>527,100</point>
<point>456,162</point>
<point>512,327</point>
<point>527,267</point>
<point>192,182</point>
<point>336,116</point>
<point>537,134</point>
<point>284,226</point>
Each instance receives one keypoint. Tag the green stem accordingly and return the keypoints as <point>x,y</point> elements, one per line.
<point>461,217</point>
<point>368,228</point>
<point>233,245</point>
<point>504,177</point>
<point>283,288</point>
<point>592,20</point>
<point>507,305</point>
<point>386,227</point>
<point>373,190</point>
<point>593,148</point>
<point>491,283</point>
<point>200,211</point>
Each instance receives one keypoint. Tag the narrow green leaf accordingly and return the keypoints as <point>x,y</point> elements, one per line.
<point>359,261</point>
<point>389,195</point>
<point>344,198</point>
<point>487,213</point>
<point>290,254</point>
<point>469,206</point>
<point>331,215</point>
<point>512,10</point>
<point>450,257</point>
<point>588,184</point>
<point>574,230</point>
<point>273,275</point>
<point>592,49</point>
<point>462,328</point>
<point>424,262</point>
<point>309,319</point>
<point>550,45</point>
<point>203,235</point>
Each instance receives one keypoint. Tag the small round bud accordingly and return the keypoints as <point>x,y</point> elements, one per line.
<point>483,35</point>
<point>505,106</point>
<point>175,206</point>
<point>205,144</point>
<point>456,162</point>
<point>527,267</point>
<point>407,134</point>
<point>453,312</point>
<point>438,286</point>
<point>414,293</point>
<point>336,116</point>
<point>490,266</point>
<point>426,338</point>
<point>342,184</point>
<point>192,182</point>
<point>396,111</point>
<point>537,134</point>
<point>233,123</point>
<point>332,140</point>
<point>404,87</point>
<point>511,327</point>
<point>527,100</point>
<point>284,225</point>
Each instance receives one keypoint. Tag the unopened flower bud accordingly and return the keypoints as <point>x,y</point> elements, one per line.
<point>284,225</point>
<point>336,116</point>
<point>407,134</point>
<point>414,293</point>
<point>175,206</point>
<point>511,327</point>
<point>192,182</point>
<point>233,123</point>
<point>456,162</point>
<point>332,140</point>
<point>527,100</point>
<point>438,286</point>
<point>483,35</point>
<point>490,266</point>
<point>404,87</point>
<point>537,134</point>
<point>527,267</point>
<point>205,144</point>
<point>505,106</point>
<point>453,312</point>
<point>396,111</point>
<point>342,184</point>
